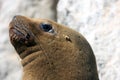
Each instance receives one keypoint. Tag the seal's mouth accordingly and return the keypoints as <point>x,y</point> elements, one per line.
<point>21,36</point>
<point>16,36</point>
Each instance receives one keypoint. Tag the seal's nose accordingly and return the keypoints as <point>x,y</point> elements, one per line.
<point>14,17</point>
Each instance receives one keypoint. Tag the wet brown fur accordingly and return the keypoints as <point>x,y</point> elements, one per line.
<point>64,55</point>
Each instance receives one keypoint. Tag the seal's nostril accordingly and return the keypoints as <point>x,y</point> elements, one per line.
<point>14,17</point>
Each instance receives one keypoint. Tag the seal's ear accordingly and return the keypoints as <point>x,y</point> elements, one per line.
<point>67,38</point>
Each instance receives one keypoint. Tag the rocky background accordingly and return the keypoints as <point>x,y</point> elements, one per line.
<point>97,20</point>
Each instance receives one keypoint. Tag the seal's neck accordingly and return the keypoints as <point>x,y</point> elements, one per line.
<point>37,69</point>
<point>55,67</point>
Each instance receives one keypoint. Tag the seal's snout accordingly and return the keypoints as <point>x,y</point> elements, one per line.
<point>19,32</point>
<point>15,17</point>
<point>18,18</point>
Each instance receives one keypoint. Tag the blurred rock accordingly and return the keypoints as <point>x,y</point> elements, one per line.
<point>38,8</point>
<point>99,22</point>
<point>10,68</point>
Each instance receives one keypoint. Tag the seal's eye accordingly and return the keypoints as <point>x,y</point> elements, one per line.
<point>46,27</point>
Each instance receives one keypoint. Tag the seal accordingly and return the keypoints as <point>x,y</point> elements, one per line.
<point>51,51</point>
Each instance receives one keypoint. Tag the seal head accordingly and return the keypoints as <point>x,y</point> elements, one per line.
<point>51,51</point>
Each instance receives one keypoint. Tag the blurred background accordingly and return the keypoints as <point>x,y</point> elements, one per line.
<point>97,20</point>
